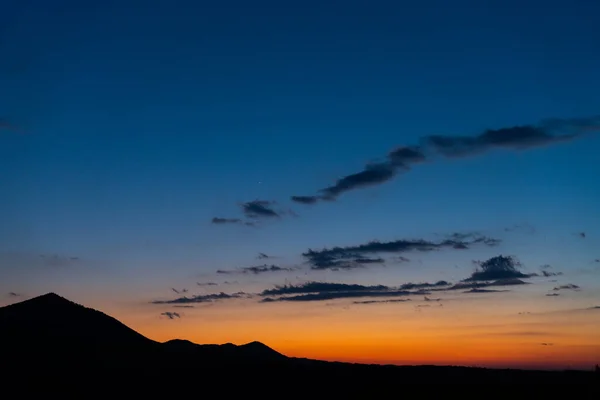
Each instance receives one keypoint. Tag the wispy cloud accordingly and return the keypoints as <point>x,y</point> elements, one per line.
<point>14,294</point>
<point>319,291</point>
<point>381,301</point>
<point>349,257</point>
<point>259,269</point>
<point>263,256</point>
<point>568,286</point>
<point>259,209</point>
<point>206,298</point>
<point>171,315</point>
<point>403,158</point>
<point>206,283</point>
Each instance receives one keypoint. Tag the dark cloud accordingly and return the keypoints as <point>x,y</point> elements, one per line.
<point>546,273</point>
<point>568,286</point>
<point>264,268</point>
<point>220,221</point>
<point>552,294</point>
<point>547,344</point>
<point>424,285</point>
<point>180,306</point>
<point>318,287</point>
<point>405,156</point>
<point>259,209</point>
<point>593,308</point>
<point>179,291</point>
<point>318,291</point>
<point>581,235</point>
<point>478,290</point>
<point>171,315</point>
<point>485,284</point>
<point>367,260</point>
<point>306,199</point>
<point>425,298</point>
<point>14,294</point>
<point>262,256</point>
<point>381,301</point>
<point>510,138</point>
<point>498,267</point>
<point>372,174</point>
<point>259,269</point>
<point>341,295</point>
<point>206,283</point>
<point>346,257</point>
<point>207,298</point>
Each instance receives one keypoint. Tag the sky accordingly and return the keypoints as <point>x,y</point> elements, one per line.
<point>394,182</point>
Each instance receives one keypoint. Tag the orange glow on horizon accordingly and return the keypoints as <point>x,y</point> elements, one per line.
<point>390,334</point>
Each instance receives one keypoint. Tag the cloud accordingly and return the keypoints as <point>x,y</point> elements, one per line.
<point>318,291</point>
<point>259,269</point>
<point>552,294</point>
<point>547,344</point>
<point>511,138</point>
<point>259,209</point>
<point>180,306</point>
<point>349,257</point>
<point>381,301</point>
<point>424,285</point>
<point>340,295</point>
<point>179,291</point>
<point>220,221</point>
<point>478,290</point>
<point>548,273</point>
<point>206,283</point>
<point>508,138</point>
<point>568,286</point>
<point>485,284</point>
<point>306,199</point>
<point>498,267</point>
<point>171,315</point>
<point>262,256</point>
<point>14,294</point>
<point>372,174</point>
<point>207,298</point>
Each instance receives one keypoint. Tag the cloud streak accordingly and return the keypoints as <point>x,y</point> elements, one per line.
<point>349,257</point>
<point>403,158</point>
<point>259,269</point>
<point>206,298</point>
<point>320,291</point>
<point>171,315</point>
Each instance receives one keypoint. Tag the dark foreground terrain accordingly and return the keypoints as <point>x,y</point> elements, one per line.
<point>52,336</point>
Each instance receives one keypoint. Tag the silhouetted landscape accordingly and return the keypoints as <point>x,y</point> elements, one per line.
<point>50,332</point>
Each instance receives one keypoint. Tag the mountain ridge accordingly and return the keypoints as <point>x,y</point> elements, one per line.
<point>52,333</point>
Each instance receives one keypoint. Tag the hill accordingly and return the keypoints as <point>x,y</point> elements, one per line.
<point>51,333</point>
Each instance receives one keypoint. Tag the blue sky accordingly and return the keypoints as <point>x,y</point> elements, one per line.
<point>129,125</point>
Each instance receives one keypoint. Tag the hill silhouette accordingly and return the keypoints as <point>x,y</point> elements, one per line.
<point>51,333</point>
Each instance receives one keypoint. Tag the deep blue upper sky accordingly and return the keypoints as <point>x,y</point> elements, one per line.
<point>129,125</point>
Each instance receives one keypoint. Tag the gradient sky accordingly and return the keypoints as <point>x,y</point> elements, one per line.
<point>150,152</point>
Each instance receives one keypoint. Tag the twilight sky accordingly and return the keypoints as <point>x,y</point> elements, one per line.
<point>385,181</point>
